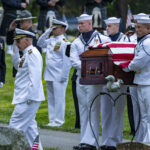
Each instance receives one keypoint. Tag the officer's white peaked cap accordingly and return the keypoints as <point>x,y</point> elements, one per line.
<point>19,33</point>
<point>138,16</point>
<point>143,20</point>
<point>112,20</point>
<point>57,23</point>
<point>84,17</point>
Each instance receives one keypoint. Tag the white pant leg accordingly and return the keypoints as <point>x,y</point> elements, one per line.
<point>86,93</point>
<point>32,133</point>
<point>59,96</point>
<point>144,102</point>
<point>134,97</point>
<point>112,118</point>
<point>22,118</point>
<point>50,100</point>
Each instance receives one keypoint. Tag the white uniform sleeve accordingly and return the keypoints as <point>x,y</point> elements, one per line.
<point>15,57</point>
<point>35,74</point>
<point>141,59</point>
<point>74,56</point>
<point>42,39</point>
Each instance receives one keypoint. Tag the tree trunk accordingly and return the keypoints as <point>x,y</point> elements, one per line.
<point>122,10</point>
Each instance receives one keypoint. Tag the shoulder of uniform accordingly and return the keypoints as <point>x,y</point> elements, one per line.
<point>30,51</point>
<point>37,35</point>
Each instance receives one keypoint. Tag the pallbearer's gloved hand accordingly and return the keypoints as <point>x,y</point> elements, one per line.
<point>126,69</point>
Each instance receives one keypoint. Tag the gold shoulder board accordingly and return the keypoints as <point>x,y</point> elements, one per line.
<point>37,36</point>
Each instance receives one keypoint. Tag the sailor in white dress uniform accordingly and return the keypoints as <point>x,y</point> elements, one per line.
<point>56,71</point>
<point>141,65</point>
<point>86,93</point>
<point>28,92</point>
<point>112,116</point>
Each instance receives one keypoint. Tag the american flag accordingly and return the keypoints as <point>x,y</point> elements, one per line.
<point>122,52</point>
<point>36,143</point>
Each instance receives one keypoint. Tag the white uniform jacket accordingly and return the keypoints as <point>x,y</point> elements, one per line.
<point>123,38</point>
<point>57,63</point>
<point>141,62</point>
<point>79,46</point>
<point>28,83</point>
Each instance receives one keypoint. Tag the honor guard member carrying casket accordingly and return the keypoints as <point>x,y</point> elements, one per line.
<point>133,90</point>
<point>2,63</point>
<point>56,71</point>
<point>112,116</point>
<point>141,65</point>
<point>86,93</point>
<point>28,92</point>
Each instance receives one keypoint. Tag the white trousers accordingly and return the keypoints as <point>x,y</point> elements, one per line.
<point>56,92</point>
<point>144,102</point>
<point>135,103</point>
<point>23,118</point>
<point>112,117</point>
<point>85,94</point>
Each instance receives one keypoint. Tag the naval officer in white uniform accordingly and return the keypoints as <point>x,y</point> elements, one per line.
<point>141,65</point>
<point>86,93</point>
<point>56,71</point>
<point>113,116</point>
<point>28,92</point>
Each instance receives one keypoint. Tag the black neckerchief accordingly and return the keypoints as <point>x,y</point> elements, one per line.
<point>115,36</point>
<point>86,36</point>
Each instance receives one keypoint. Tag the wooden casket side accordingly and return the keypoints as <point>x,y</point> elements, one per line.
<point>97,64</point>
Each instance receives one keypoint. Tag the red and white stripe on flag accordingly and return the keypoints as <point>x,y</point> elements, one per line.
<point>123,52</point>
<point>35,145</point>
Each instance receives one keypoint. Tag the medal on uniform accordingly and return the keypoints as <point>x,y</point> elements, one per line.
<point>21,62</point>
<point>96,42</point>
<point>57,46</point>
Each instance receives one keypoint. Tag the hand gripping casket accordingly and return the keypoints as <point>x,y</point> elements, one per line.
<point>107,59</point>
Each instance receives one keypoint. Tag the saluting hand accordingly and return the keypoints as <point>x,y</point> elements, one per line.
<point>13,25</point>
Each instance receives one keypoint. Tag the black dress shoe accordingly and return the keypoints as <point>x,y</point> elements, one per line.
<point>76,147</point>
<point>105,147</point>
<point>87,147</point>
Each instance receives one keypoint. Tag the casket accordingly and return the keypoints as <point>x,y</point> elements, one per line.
<point>97,63</point>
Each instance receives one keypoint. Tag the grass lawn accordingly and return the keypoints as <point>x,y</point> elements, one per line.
<point>6,108</point>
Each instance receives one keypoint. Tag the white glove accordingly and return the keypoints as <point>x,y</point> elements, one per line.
<point>1,84</point>
<point>9,49</point>
<point>126,69</point>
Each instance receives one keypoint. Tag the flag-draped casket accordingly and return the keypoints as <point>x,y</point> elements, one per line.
<point>107,59</point>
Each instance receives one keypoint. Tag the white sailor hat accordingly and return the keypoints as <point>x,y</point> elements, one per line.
<point>138,16</point>
<point>19,33</point>
<point>24,15</point>
<point>143,20</point>
<point>57,23</point>
<point>112,20</point>
<point>84,17</point>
